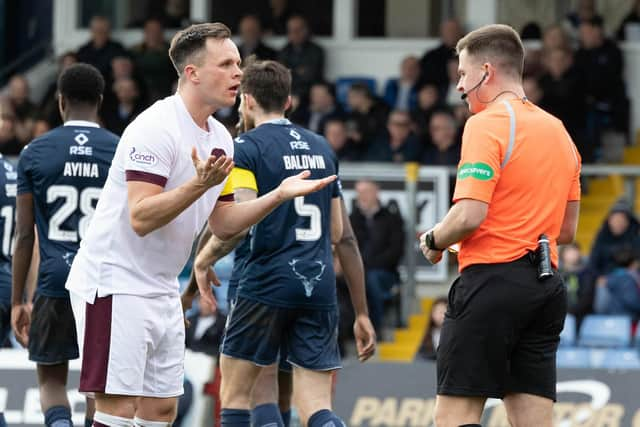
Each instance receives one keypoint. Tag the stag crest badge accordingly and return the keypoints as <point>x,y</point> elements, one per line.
<point>308,283</point>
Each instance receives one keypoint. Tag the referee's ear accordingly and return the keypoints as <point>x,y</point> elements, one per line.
<point>287,104</point>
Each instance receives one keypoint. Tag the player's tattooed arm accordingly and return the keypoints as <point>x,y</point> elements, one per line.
<point>211,249</point>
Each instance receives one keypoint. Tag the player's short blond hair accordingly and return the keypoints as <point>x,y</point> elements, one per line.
<point>498,44</point>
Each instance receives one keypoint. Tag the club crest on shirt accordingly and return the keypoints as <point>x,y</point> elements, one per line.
<point>308,282</point>
<point>147,159</point>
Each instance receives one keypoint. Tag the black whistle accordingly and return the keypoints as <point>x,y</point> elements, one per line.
<point>543,255</point>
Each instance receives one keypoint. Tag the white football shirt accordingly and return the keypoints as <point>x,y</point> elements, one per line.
<point>155,147</point>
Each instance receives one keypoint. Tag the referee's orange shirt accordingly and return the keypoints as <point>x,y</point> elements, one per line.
<point>522,162</point>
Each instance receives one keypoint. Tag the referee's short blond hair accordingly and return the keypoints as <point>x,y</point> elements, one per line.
<point>498,44</point>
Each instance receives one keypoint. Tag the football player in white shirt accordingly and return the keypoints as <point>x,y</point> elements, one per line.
<point>164,184</point>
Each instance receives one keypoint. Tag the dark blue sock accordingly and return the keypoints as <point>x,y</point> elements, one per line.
<point>3,423</point>
<point>325,418</point>
<point>286,418</point>
<point>58,416</point>
<point>266,414</point>
<point>235,418</point>
<point>88,422</point>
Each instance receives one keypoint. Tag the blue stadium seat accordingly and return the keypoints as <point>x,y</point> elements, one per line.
<point>573,357</point>
<point>621,359</point>
<point>344,83</point>
<point>605,331</point>
<point>568,334</point>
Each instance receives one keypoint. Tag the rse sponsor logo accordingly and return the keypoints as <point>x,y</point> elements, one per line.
<point>142,158</point>
<point>79,150</point>
<point>11,175</point>
<point>81,138</point>
<point>299,145</point>
<point>481,171</point>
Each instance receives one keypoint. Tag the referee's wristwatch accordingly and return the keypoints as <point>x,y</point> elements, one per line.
<point>430,241</point>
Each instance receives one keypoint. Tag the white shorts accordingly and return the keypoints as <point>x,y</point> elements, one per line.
<point>131,345</point>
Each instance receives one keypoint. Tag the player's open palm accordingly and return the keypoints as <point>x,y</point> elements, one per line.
<point>205,277</point>
<point>365,336</point>
<point>299,185</point>
<point>21,322</point>
<point>212,170</point>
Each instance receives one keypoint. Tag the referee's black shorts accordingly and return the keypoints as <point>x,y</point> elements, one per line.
<point>501,332</point>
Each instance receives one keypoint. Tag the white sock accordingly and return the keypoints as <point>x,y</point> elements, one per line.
<point>112,420</point>
<point>139,422</point>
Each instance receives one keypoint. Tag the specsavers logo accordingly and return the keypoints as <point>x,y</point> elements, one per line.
<point>142,158</point>
<point>479,170</point>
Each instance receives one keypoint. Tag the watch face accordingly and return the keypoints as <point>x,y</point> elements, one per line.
<point>429,240</point>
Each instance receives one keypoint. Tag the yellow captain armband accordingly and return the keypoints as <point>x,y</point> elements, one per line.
<point>240,178</point>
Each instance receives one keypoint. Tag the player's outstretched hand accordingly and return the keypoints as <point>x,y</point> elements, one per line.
<point>205,277</point>
<point>213,170</point>
<point>299,185</point>
<point>20,322</point>
<point>365,337</point>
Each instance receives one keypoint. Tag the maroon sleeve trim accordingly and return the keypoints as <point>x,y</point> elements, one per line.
<point>146,177</point>
<point>227,198</point>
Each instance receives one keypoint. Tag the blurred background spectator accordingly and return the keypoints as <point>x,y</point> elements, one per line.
<point>433,64</point>
<point>152,61</point>
<point>442,148</point>
<point>302,56</point>
<point>401,93</point>
<point>579,281</point>
<point>335,130</point>
<point>322,108</point>
<point>398,144</point>
<point>100,50</point>
<point>619,293</point>
<point>128,104</point>
<point>429,347</point>
<point>367,115</point>
<point>251,42</point>
<point>24,111</point>
<point>380,233</point>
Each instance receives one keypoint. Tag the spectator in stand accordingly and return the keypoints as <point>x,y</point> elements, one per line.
<point>280,14</point>
<point>251,39</point>
<point>443,146</point>
<point>586,11</point>
<point>152,62</point>
<point>24,110</point>
<point>532,89</point>
<point>126,108</point>
<point>563,97</point>
<point>600,63</point>
<point>453,99</point>
<point>302,56</point>
<point>206,326</point>
<point>100,50</point>
<point>9,143</point>
<point>428,103</point>
<point>40,127</point>
<point>621,231</point>
<point>398,144</point>
<point>578,279</point>
<point>123,67</point>
<point>433,65</point>
<point>632,18</point>
<point>428,349</point>
<point>367,116</point>
<point>402,93</point>
<point>322,107</point>
<point>619,293</point>
<point>49,105</point>
<point>380,233</point>
<point>335,131</point>
<point>555,37</point>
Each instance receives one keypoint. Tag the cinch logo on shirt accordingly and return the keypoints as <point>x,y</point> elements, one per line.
<point>142,158</point>
<point>481,171</point>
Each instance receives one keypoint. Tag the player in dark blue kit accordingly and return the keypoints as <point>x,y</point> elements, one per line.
<point>60,177</point>
<point>7,210</point>
<point>286,294</point>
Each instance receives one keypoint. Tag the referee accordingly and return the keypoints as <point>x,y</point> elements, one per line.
<point>518,179</point>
